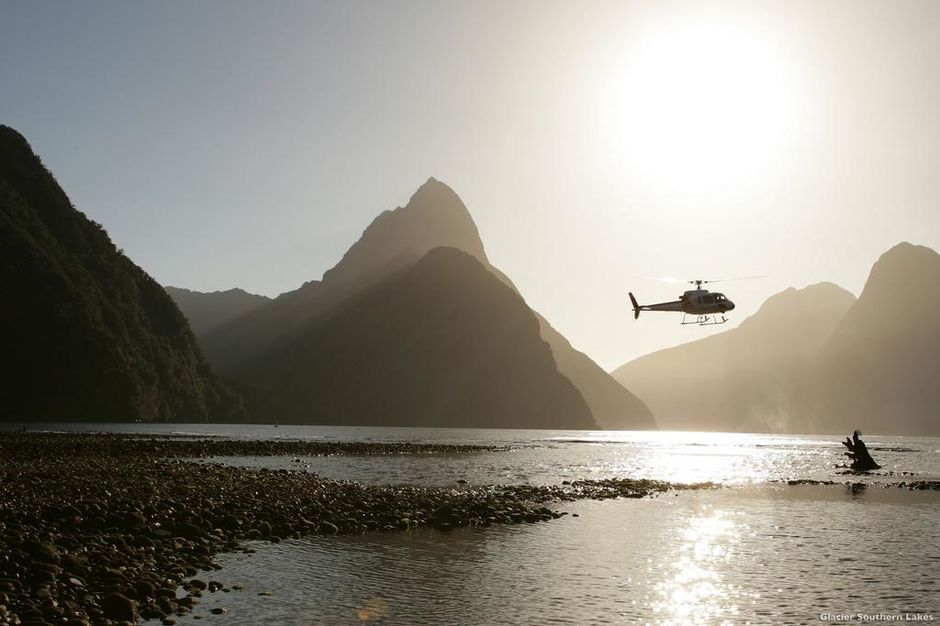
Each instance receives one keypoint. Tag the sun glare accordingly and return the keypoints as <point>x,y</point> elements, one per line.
<point>702,106</point>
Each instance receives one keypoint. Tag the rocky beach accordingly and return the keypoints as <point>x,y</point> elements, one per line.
<point>103,528</point>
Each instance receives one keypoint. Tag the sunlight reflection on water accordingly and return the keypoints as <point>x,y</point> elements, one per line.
<point>725,458</point>
<point>764,554</point>
<point>742,555</point>
<point>695,592</point>
<point>548,457</point>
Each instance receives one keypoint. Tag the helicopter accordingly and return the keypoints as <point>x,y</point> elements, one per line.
<point>707,307</point>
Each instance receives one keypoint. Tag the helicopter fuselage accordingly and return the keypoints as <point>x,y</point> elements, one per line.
<point>696,302</point>
<point>703,302</point>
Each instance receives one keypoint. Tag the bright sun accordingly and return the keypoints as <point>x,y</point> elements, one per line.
<point>702,107</point>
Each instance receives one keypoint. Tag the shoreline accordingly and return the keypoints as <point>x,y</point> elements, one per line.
<point>99,528</point>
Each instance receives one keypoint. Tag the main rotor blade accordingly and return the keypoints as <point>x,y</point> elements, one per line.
<point>666,279</point>
<point>691,281</point>
<point>726,280</point>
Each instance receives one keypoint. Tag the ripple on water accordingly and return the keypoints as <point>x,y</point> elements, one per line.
<point>696,558</point>
<point>673,457</point>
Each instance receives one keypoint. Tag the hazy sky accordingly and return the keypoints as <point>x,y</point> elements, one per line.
<point>244,144</point>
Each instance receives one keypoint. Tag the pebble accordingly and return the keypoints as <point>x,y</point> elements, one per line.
<point>118,607</point>
<point>128,519</point>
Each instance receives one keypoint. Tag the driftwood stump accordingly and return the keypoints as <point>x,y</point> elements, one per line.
<point>858,453</point>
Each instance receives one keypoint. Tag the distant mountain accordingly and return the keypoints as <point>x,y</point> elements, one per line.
<point>394,240</point>
<point>439,343</point>
<point>612,405</point>
<point>206,311</point>
<point>881,368</point>
<point>88,335</point>
<point>755,377</point>
<point>435,217</point>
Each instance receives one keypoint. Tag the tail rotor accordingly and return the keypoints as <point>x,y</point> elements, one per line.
<point>636,307</point>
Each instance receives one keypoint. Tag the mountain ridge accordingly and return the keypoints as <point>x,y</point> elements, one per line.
<point>207,310</point>
<point>355,367</point>
<point>748,378</point>
<point>880,365</point>
<point>97,339</point>
<point>434,217</point>
<point>865,363</point>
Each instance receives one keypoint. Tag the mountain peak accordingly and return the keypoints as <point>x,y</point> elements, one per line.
<point>434,216</point>
<point>825,298</point>
<point>16,155</point>
<point>903,246</point>
<point>904,271</point>
<point>816,290</point>
<point>235,292</point>
<point>436,196</point>
<point>902,292</point>
<point>882,359</point>
<point>907,252</point>
<point>9,134</point>
<point>17,158</point>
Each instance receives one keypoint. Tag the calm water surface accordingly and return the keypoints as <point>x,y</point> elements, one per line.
<point>754,551</point>
<point>697,558</point>
<point>548,457</point>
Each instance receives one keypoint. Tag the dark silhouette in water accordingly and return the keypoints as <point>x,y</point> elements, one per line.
<point>858,453</point>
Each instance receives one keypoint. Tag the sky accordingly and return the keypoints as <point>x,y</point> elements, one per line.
<point>248,144</point>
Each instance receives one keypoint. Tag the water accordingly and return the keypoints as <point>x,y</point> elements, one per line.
<point>549,457</point>
<point>754,551</point>
<point>695,558</point>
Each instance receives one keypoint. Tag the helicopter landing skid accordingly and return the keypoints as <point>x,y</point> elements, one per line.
<point>703,320</point>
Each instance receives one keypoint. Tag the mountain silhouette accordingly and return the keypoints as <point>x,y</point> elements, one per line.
<point>393,241</point>
<point>88,335</point>
<point>206,311</point>
<point>880,367</point>
<point>755,377</point>
<point>439,343</point>
<point>612,405</point>
<point>434,217</point>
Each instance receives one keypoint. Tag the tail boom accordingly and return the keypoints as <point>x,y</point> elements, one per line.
<point>675,305</point>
